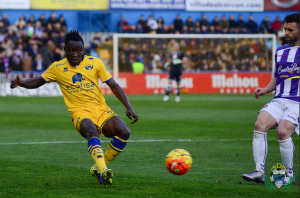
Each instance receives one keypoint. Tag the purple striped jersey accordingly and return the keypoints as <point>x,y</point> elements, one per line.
<point>287,72</point>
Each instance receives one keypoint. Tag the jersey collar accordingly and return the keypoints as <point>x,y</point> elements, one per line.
<point>80,61</point>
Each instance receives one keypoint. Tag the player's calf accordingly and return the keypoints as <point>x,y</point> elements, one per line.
<point>115,147</point>
<point>260,150</point>
<point>96,152</point>
<point>287,154</point>
<point>89,131</point>
<point>120,133</point>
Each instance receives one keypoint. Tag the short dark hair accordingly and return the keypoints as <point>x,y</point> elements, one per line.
<point>72,35</point>
<point>292,18</point>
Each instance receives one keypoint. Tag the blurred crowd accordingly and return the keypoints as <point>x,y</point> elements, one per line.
<point>201,26</point>
<point>31,44</point>
<point>223,54</point>
<point>203,54</point>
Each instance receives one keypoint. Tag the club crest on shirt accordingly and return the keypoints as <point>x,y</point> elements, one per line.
<point>89,67</point>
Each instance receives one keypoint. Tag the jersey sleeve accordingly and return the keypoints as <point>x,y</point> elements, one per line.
<point>103,74</point>
<point>50,74</point>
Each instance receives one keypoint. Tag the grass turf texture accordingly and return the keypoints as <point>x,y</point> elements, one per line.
<point>62,169</point>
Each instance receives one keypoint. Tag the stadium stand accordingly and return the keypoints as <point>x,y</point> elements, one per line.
<point>33,44</point>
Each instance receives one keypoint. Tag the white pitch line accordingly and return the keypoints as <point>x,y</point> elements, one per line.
<point>166,140</point>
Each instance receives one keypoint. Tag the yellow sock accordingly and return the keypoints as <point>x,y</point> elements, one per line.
<point>114,148</point>
<point>96,153</point>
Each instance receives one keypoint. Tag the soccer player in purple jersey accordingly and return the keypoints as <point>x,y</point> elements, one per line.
<point>283,111</point>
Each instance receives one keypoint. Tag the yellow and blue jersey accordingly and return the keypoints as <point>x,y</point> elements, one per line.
<point>79,85</point>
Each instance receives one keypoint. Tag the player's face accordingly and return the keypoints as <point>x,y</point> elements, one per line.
<point>74,52</point>
<point>175,47</point>
<point>291,32</point>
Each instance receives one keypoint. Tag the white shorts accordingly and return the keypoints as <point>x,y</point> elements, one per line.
<point>284,109</point>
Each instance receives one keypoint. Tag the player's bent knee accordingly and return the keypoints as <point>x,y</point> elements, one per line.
<point>260,126</point>
<point>91,133</point>
<point>88,129</point>
<point>124,133</point>
<point>283,133</point>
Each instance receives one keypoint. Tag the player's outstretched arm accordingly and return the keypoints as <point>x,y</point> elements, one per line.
<point>31,83</point>
<point>262,91</point>
<point>120,94</point>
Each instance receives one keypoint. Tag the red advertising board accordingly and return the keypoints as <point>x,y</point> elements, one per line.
<point>274,5</point>
<point>194,83</point>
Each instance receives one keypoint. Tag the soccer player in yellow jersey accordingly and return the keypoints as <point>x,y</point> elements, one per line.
<point>77,76</point>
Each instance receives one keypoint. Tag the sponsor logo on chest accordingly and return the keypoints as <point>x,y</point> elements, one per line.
<point>290,69</point>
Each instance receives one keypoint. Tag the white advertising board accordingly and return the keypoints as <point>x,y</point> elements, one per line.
<point>15,4</point>
<point>228,5</point>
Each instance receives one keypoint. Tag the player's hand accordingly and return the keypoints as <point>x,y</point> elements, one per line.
<point>15,82</point>
<point>259,92</point>
<point>130,114</point>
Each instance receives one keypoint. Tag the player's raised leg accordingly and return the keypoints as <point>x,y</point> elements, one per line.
<point>265,121</point>
<point>116,129</point>
<point>284,132</point>
<point>89,131</point>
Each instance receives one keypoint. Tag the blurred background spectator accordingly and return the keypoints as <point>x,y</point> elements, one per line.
<point>204,21</point>
<point>276,25</point>
<point>34,43</point>
<point>152,24</point>
<point>266,26</point>
<point>142,22</point>
<point>252,25</point>
<point>39,63</point>
<point>178,23</point>
<point>5,21</point>
<point>123,25</point>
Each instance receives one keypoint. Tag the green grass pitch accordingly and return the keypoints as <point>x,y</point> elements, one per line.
<point>220,128</point>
